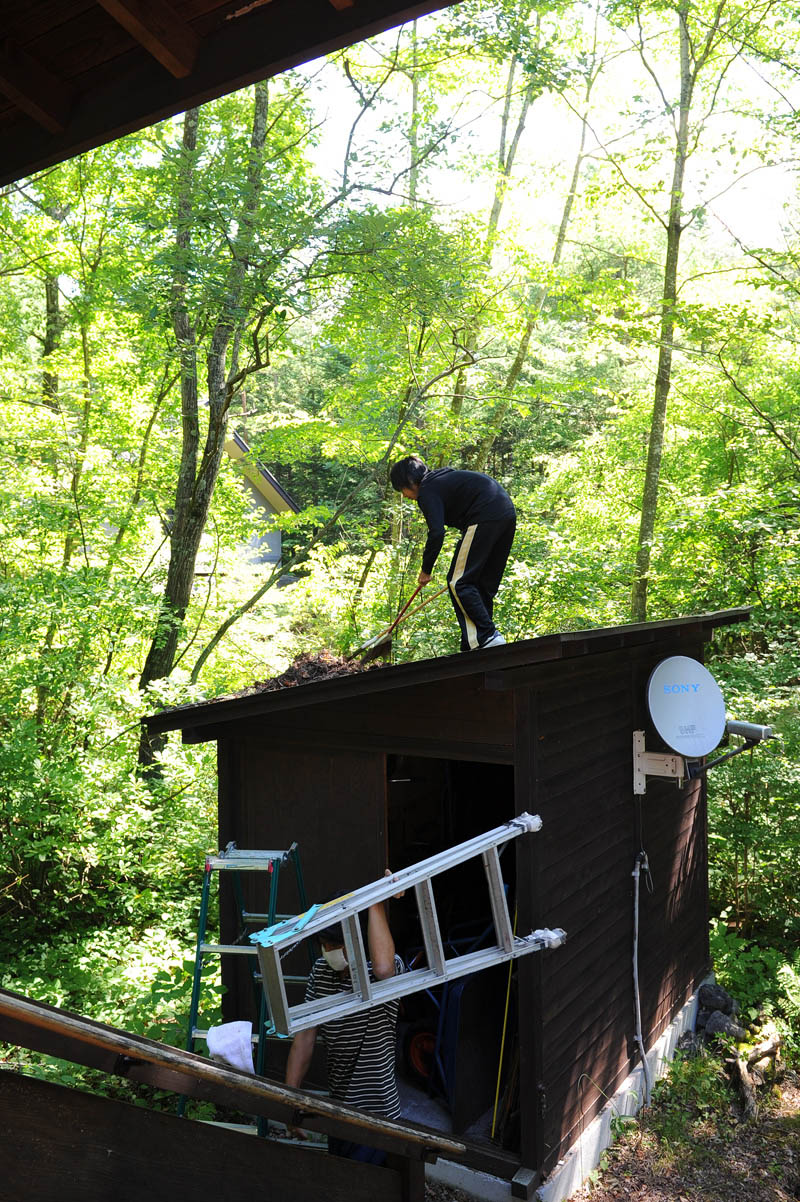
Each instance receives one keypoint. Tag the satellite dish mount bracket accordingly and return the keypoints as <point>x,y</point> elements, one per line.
<point>654,763</point>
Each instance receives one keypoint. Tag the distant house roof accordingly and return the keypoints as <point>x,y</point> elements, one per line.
<point>260,477</point>
<point>501,667</point>
<point>75,74</point>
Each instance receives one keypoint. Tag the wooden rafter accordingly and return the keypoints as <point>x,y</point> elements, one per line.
<point>124,87</point>
<point>40,1027</point>
<point>157,27</point>
<point>34,89</point>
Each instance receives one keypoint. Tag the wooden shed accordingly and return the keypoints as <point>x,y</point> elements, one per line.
<point>393,764</point>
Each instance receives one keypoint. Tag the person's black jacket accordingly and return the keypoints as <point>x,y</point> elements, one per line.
<point>448,497</point>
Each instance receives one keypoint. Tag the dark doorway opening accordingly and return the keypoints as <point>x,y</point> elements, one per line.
<point>458,1042</point>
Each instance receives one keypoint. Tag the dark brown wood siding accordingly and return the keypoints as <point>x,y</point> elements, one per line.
<point>61,1143</point>
<point>581,729</point>
<point>332,804</point>
<point>449,719</point>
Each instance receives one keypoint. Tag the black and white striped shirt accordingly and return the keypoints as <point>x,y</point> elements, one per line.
<point>360,1047</point>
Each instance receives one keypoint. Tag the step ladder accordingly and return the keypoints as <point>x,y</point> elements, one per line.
<point>238,862</point>
<point>283,936</point>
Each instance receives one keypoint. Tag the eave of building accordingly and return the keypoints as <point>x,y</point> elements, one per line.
<point>514,665</point>
<point>74,74</point>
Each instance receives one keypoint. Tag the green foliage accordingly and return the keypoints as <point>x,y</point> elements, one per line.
<point>764,980</point>
<point>754,801</point>
<point>746,970</point>
<point>788,1007</point>
<point>692,1098</point>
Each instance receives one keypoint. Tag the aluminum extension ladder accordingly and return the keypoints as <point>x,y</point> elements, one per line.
<point>345,910</point>
<point>238,861</point>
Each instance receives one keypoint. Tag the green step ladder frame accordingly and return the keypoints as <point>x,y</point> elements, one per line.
<point>237,861</point>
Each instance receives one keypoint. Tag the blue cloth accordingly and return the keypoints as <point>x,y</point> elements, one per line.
<point>289,926</point>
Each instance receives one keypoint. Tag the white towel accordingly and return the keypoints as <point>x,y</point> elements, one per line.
<point>230,1044</point>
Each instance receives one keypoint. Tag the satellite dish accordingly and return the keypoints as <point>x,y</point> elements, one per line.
<point>686,706</point>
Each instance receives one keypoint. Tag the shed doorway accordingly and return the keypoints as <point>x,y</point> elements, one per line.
<point>450,1038</point>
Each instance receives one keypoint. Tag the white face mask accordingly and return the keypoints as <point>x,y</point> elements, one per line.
<point>336,958</point>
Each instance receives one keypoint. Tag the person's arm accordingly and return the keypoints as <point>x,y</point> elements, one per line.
<point>380,941</point>
<point>297,1066</point>
<point>432,510</point>
<point>300,1054</point>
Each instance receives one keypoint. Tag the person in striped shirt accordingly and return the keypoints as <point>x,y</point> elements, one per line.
<point>360,1047</point>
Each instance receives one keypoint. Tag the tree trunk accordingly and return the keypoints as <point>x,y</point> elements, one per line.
<point>666,335</point>
<point>413,130</point>
<point>506,154</point>
<point>196,481</point>
<point>515,371</point>
<point>74,532</point>
<point>53,326</point>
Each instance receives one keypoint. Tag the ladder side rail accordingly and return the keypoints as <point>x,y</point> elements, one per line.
<point>272,904</point>
<point>497,899</point>
<point>405,878</point>
<point>298,872</point>
<point>202,922</point>
<point>356,957</point>
<point>274,984</point>
<point>194,1004</point>
<point>429,921</point>
<point>321,1010</point>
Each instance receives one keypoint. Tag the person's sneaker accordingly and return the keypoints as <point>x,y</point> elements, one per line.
<point>496,640</point>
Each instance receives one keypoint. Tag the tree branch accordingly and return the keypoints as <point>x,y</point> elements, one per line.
<point>786,443</point>
<point>284,566</point>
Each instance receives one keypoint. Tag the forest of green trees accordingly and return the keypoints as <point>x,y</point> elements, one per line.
<point>554,240</point>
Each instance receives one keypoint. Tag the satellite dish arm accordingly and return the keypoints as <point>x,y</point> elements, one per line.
<point>752,734</point>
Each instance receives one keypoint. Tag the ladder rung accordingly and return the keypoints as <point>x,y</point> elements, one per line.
<point>290,980</point>
<point>497,899</point>
<point>221,949</point>
<point>431,935</point>
<point>248,917</point>
<point>198,1033</point>
<point>357,960</point>
<point>275,987</point>
<point>241,860</point>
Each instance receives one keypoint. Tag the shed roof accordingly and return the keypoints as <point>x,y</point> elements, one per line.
<point>503,667</point>
<point>77,73</point>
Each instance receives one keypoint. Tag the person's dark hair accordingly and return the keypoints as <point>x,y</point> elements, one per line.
<point>407,472</point>
<point>332,934</point>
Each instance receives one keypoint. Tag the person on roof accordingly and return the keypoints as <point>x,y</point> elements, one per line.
<point>361,1046</point>
<point>484,513</point>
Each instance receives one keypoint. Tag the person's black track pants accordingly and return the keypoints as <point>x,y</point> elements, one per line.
<point>474,577</point>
